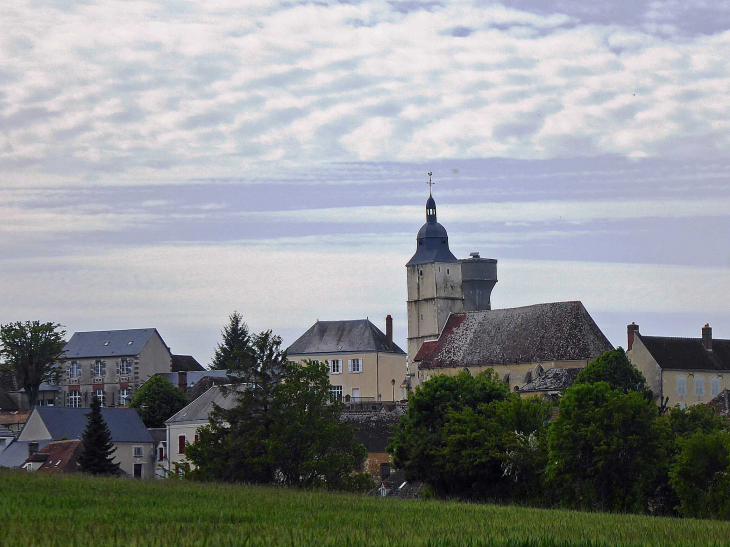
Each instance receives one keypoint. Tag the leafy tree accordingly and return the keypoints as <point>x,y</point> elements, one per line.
<point>614,368</point>
<point>606,449</point>
<point>419,437</point>
<point>157,400</point>
<point>98,449</point>
<point>30,349</point>
<point>701,475</point>
<point>234,352</point>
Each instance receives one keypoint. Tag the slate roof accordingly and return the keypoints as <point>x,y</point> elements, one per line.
<point>558,331</point>
<point>58,457</point>
<point>124,423</point>
<point>432,241</point>
<point>5,432</point>
<point>553,379</point>
<point>185,363</point>
<point>687,353</point>
<point>358,336</point>
<point>158,434</point>
<point>193,376</point>
<point>16,454</point>
<point>373,429</point>
<point>201,407</point>
<point>118,343</point>
<point>45,386</point>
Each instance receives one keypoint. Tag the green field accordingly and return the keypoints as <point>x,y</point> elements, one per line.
<point>68,511</point>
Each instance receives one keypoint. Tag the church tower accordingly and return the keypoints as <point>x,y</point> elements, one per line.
<point>434,284</point>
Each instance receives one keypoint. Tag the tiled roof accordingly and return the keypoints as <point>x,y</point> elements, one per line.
<point>553,379</point>
<point>373,429</point>
<point>687,353</point>
<point>124,423</point>
<point>185,363</point>
<point>558,331</point>
<point>201,407</point>
<point>58,457</point>
<point>342,337</point>
<point>107,343</point>
<point>721,403</point>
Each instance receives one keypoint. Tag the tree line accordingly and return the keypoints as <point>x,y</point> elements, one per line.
<point>610,448</point>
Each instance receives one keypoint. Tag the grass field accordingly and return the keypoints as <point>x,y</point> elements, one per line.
<point>72,511</point>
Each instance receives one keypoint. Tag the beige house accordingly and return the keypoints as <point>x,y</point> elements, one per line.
<point>183,427</point>
<point>686,371</point>
<point>364,364</point>
<point>134,445</point>
<point>111,365</point>
<point>519,344</point>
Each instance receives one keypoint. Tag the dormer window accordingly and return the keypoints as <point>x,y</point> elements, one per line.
<point>106,343</point>
<point>130,343</point>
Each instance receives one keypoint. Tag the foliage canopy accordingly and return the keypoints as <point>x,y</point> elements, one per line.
<point>157,400</point>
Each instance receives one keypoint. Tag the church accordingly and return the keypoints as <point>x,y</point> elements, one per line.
<point>452,327</point>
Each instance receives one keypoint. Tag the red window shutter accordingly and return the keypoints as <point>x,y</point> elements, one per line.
<point>196,437</point>
<point>181,444</point>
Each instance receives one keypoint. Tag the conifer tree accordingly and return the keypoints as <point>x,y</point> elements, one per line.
<point>234,352</point>
<point>98,452</point>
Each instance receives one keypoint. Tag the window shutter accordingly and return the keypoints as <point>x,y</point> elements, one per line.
<point>349,365</point>
<point>118,367</point>
<point>68,370</point>
<point>103,368</point>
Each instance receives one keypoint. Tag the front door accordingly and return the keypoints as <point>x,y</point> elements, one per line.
<point>137,470</point>
<point>355,394</point>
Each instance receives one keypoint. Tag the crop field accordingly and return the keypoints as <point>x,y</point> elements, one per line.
<point>73,511</point>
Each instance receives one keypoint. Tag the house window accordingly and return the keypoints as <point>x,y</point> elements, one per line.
<point>181,444</point>
<point>74,370</point>
<point>448,271</point>
<point>336,366</point>
<point>99,395</point>
<point>99,368</point>
<point>421,317</point>
<point>160,453</point>
<point>420,273</point>
<point>123,396</point>
<point>681,386</point>
<point>74,399</point>
<point>699,387</point>
<point>715,386</point>
<point>137,451</point>
<point>355,365</point>
<point>125,367</point>
<point>336,393</point>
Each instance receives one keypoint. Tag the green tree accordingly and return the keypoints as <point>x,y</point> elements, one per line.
<point>606,449</point>
<point>234,351</point>
<point>30,349</point>
<point>98,450</point>
<point>157,400</point>
<point>701,475</point>
<point>614,368</point>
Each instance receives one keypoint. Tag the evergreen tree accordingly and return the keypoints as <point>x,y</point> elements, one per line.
<point>96,458</point>
<point>234,352</point>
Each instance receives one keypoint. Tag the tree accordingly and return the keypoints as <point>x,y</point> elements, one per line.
<point>606,449</point>
<point>701,475</point>
<point>98,449</point>
<point>234,352</point>
<point>30,349</point>
<point>614,368</point>
<point>157,400</point>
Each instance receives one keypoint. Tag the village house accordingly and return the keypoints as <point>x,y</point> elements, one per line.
<point>110,365</point>
<point>686,371</point>
<point>519,344</point>
<point>134,446</point>
<point>364,364</point>
<point>549,384</point>
<point>55,457</point>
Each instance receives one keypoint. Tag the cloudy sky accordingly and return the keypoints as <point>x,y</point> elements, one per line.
<point>163,163</point>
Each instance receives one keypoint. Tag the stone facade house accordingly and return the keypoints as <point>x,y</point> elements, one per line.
<point>519,344</point>
<point>110,365</point>
<point>364,364</point>
<point>687,371</point>
<point>134,446</point>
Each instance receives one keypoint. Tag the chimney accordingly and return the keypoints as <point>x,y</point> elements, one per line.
<point>707,337</point>
<point>182,380</point>
<point>32,448</point>
<point>630,330</point>
<point>389,331</point>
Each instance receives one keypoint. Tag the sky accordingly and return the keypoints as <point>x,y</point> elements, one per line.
<point>165,163</point>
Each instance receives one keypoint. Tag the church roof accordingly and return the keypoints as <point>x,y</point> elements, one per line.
<point>558,331</point>
<point>359,335</point>
<point>432,241</point>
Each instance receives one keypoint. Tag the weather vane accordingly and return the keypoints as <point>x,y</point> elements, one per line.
<point>430,183</point>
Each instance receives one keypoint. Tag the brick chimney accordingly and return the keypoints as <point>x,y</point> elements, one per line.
<point>32,448</point>
<point>182,380</point>
<point>707,337</point>
<point>630,330</point>
<point>389,331</point>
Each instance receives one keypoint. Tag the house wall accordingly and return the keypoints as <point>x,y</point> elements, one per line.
<point>643,360</point>
<point>124,455</point>
<point>670,385</point>
<point>372,464</point>
<point>34,430</point>
<point>174,431</point>
<point>517,372</point>
<point>378,369</point>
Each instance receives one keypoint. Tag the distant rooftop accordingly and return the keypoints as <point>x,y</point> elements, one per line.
<point>687,353</point>
<point>201,407</point>
<point>107,343</point>
<point>355,336</point>
<point>553,379</point>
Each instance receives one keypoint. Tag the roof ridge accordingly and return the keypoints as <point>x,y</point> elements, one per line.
<point>694,338</point>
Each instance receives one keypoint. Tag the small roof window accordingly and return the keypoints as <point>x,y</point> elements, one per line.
<point>106,343</point>
<point>130,343</point>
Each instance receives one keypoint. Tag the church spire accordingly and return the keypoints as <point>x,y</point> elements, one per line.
<point>430,203</point>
